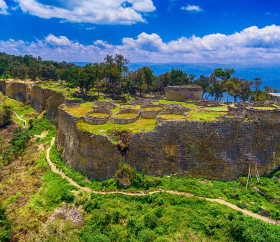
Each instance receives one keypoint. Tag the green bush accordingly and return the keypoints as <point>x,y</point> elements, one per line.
<point>67,196</point>
<point>150,221</point>
<point>5,116</point>
<point>19,142</point>
<point>91,205</point>
<point>158,212</point>
<point>5,227</point>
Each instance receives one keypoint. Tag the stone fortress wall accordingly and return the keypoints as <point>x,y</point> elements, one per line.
<point>218,150</point>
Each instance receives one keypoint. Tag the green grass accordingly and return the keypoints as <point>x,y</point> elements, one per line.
<point>264,108</point>
<point>79,111</point>
<point>141,125</point>
<point>221,108</point>
<point>138,107</point>
<point>98,115</point>
<point>187,105</point>
<point>201,116</point>
<point>165,217</point>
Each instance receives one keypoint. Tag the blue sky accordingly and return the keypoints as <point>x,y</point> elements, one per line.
<point>158,31</point>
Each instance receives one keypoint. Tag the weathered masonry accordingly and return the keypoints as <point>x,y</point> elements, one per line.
<point>218,150</point>
<point>183,93</point>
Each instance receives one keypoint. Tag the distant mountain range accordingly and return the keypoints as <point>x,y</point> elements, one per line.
<point>270,74</point>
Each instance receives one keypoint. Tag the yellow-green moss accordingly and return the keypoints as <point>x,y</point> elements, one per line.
<point>126,115</point>
<point>141,125</point>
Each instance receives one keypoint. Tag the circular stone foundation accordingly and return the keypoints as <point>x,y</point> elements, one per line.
<point>96,117</point>
<point>120,117</point>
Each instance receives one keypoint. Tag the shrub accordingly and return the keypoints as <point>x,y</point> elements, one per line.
<point>158,212</point>
<point>19,142</point>
<point>67,196</point>
<point>150,221</point>
<point>5,116</point>
<point>5,227</point>
<point>160,202</point>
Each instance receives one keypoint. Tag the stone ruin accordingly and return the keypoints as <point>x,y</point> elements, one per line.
<point>152,113</point>
<point>97,120</point>
<point>184,93</point>
<point>173,109</point>
<point>103,104</point>
<point>127,120</point>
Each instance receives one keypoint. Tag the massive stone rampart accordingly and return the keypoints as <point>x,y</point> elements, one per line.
<point>218,150</point>
<point>40,98</point>
<point>92,155</point>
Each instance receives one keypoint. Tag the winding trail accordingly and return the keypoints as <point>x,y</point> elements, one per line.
<point>246,212</point>
<point>18,117</point>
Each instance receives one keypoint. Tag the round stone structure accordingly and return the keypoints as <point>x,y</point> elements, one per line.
<point>152,112</point>
<point>127,120</point>
<point>97,120</point>
<point>184,93</point>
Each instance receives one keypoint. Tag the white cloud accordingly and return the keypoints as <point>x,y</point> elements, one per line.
<point>192,8</point>
<point>57,41</point>
<point>250,46</point>
<point>3,7</point>
<point>91,11</point>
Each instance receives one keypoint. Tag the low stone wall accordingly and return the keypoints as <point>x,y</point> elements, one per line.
<point>183,93</point>
<point>151,114</point>
<point>239,111</point>
<point>127,120</point>
<point>73,103</point>
<point>173,109</point>
<point>209,103</point>
<point>101,104</point>
<point>232,118</point>
<point>97,120</point>
<point>140,101</point>
<point>264,115</point>
<point>269,116</point>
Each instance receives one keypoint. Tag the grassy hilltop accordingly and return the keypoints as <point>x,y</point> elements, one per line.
<point>39,205</point>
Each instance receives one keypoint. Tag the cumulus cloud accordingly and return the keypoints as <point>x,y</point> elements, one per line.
<point>250,46</point>
<point>192,8</point>
<point>3,7</point>
<point>91,11</point>
<point>57,41</point>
